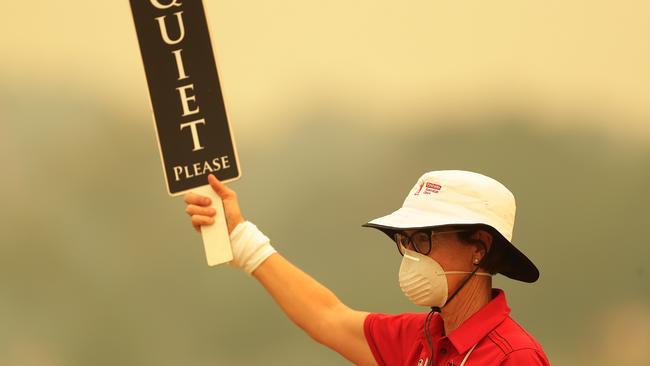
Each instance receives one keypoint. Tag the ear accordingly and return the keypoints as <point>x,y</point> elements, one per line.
<point>483,240</point>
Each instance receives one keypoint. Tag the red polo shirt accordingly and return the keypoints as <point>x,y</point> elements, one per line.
<point>398,340</point>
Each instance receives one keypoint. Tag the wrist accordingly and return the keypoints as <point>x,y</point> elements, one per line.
<point>250,247</point>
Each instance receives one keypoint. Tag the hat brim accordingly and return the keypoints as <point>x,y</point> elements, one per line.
<point>512,264</point>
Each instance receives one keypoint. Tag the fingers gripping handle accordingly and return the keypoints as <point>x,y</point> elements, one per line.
<point>215,237</point>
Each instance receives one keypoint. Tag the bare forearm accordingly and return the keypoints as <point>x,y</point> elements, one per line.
<point>310,305</point>
<point>305,301</point>
<point>315,309</point>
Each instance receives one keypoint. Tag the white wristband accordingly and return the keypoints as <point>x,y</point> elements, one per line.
<point>250,247</point>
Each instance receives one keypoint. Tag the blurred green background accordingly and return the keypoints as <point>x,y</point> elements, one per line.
<point>337,108</point>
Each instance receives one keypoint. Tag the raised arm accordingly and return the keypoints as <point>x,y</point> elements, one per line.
<point>309,304</point>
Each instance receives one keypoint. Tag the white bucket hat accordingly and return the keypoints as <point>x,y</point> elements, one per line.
<point>456,197</point>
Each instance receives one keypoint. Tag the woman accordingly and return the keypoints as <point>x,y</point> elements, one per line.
<point>454,231</point>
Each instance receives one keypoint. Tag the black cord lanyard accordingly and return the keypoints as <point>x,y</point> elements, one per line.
<point>436,309</point>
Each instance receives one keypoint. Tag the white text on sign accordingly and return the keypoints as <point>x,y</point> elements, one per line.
<point>189,104</point>
<point>201,168</point>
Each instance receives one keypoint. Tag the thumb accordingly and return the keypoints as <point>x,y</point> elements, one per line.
<point>220,188</point>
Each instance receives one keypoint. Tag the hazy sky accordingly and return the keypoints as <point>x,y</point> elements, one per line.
<point>99,259</point>
<point>391,58</point>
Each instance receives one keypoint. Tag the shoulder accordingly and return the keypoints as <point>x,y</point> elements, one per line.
<point>392,338</point>
<point>516,345</point>
<point>401,323</point>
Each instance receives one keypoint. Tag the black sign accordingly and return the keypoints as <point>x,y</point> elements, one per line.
<point>193,132</point>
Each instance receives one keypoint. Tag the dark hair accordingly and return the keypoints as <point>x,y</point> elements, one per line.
<point>493,256</point>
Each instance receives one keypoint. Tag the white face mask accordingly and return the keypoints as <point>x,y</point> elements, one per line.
<point>423,280</point>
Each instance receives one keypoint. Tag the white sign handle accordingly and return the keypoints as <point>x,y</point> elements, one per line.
<point>216,239</point>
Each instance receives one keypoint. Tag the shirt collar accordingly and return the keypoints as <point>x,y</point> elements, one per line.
<point>480,323</point>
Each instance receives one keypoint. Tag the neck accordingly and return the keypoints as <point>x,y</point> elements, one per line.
<point>474,295</point>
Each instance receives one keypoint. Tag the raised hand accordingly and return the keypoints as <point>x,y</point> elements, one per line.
<point>198,207</point>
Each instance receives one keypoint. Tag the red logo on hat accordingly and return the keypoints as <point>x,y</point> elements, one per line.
<point>432,188</point>
<point>419,189</point>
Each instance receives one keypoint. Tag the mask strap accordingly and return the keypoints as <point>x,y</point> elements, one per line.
<point>465,272</point>
<point>462,284</point>
<point>465,281</point>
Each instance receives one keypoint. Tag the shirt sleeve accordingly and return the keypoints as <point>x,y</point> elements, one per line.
<point>525,357</point>
<point>390,337</point>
